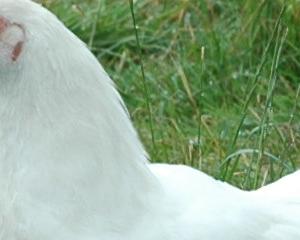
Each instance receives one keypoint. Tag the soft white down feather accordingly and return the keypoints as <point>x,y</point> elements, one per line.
<point>72,166</point>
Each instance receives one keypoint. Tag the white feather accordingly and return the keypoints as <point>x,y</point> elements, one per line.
<point>72,166</point>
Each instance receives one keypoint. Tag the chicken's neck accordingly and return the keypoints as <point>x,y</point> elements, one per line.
<point>70,142</point>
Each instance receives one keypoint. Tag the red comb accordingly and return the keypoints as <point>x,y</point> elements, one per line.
<point>3,24</point>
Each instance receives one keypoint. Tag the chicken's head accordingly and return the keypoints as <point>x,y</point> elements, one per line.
<point>12,38</point>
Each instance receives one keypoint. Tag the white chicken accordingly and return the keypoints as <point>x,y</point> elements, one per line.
<point>72,166</point>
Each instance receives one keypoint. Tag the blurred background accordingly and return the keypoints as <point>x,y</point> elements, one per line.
<point>222,79</point>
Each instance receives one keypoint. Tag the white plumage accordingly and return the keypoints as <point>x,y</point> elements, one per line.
<point>72,166</point>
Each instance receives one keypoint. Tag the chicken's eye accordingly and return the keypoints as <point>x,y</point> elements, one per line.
<point>12,37</point>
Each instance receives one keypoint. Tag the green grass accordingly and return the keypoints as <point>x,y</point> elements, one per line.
<point>221,81</point>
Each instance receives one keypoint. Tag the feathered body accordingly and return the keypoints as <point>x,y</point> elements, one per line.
<point>72,166</point>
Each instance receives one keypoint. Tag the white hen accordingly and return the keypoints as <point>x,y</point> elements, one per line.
<point>72,166</point>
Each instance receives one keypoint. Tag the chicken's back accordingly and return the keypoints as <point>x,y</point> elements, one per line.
<point>200,207</point>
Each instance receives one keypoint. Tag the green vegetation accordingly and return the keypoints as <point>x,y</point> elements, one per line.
<point>223,79</point>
